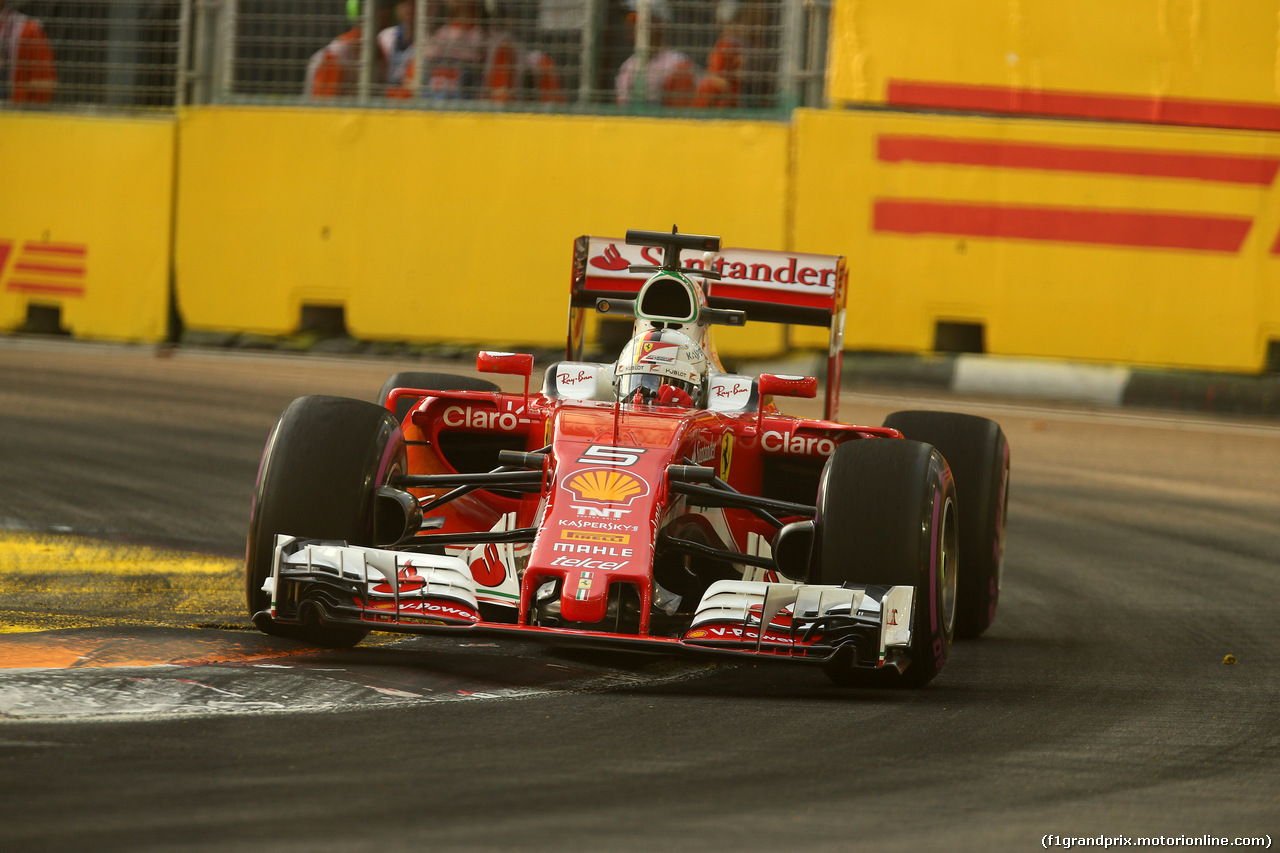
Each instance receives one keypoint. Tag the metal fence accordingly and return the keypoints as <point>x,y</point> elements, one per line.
<point>728,57</point>
<point>116,54</point>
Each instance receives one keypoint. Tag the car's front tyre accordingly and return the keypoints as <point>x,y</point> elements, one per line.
<point>978,454</point>
<point>887,516</point>
<point>319,475</point>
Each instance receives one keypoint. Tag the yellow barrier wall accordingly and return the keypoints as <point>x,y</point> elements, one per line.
<point>1100,242</point>
<point>1071,240</point>
<point>85,222</point>
<point>430,226</point>
<point>1221,56</point>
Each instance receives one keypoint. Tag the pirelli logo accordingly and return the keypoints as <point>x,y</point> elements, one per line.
<point>591,536</point>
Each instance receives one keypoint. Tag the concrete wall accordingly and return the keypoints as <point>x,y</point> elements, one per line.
<point>433,226</point>
<point>1168,61</point>
<point>1094,241</point>
<point>1087,241</point>
<point>86,223</point>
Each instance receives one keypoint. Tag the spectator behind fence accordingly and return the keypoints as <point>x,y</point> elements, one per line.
<point>736,67</point>
<point>669,75</point>
<point>455,54</point>
<point>27,71</point>
<point>513,72</point>
<point>474,56</point>
<point>334,70</point>
<point>396,43</point>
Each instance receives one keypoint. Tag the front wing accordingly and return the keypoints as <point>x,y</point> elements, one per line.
<point>384,590</point>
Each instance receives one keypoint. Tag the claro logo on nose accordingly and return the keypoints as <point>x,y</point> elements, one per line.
<point>465,416</point>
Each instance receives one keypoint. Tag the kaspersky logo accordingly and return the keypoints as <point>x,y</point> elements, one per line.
<point>606,486</point>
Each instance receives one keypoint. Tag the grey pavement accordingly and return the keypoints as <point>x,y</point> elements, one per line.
<point>967,374</point>
<point>1050,380</point>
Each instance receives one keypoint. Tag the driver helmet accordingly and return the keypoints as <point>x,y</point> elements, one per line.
<point>661,357</point>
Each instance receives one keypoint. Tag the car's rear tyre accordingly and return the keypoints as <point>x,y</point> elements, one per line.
<point>428,382</point>
<point>887,517</point>
<point>978,453</point>
<point>320,472</point>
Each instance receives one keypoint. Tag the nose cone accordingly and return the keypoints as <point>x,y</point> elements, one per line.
<point>585,596</point>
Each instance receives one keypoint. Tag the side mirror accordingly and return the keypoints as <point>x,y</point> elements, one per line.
<point>510,363</point>
<point>781,385</point>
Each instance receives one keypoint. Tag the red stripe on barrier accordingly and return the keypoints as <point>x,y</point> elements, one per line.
<point>56,248</point>
<point>29,267</point>
<point>1244,115</point>
<point>1062,224</point>
<point>1228,168</point>
<point>1275,247</point>
<point>42,287</point>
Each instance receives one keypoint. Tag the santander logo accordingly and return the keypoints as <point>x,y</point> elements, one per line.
<point>772,270</point>
<point>611,259</point>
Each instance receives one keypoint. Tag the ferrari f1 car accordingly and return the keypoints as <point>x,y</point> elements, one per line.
<point>657,502</point>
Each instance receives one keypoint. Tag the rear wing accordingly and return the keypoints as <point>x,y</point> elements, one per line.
<point>771,287</point>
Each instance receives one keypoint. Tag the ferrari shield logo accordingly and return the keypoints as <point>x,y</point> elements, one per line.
<point>726,455</point>
<point>657,352</point>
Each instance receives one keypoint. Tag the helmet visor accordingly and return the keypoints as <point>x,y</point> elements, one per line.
<point>649,383</point>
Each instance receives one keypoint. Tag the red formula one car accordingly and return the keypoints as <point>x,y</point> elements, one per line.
<point>656,502</point>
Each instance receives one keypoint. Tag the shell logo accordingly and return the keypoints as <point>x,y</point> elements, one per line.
<point>605,485</point>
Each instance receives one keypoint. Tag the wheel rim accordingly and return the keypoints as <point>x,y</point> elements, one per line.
<point>1001,524</point>
<point>947,566</point>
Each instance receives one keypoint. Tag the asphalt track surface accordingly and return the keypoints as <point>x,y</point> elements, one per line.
<point>1144,548</point>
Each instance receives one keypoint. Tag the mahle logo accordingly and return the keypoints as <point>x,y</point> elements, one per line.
<point>606,486</point>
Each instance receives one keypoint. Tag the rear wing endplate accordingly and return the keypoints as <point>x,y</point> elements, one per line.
<point>771,287</point>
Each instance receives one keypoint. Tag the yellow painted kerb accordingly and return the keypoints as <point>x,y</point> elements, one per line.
<point>68,582</point>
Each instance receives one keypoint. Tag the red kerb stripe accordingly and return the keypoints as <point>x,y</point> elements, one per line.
<point>1195,112</point>
<point>1228,168</point>
<point>1062,224</point>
